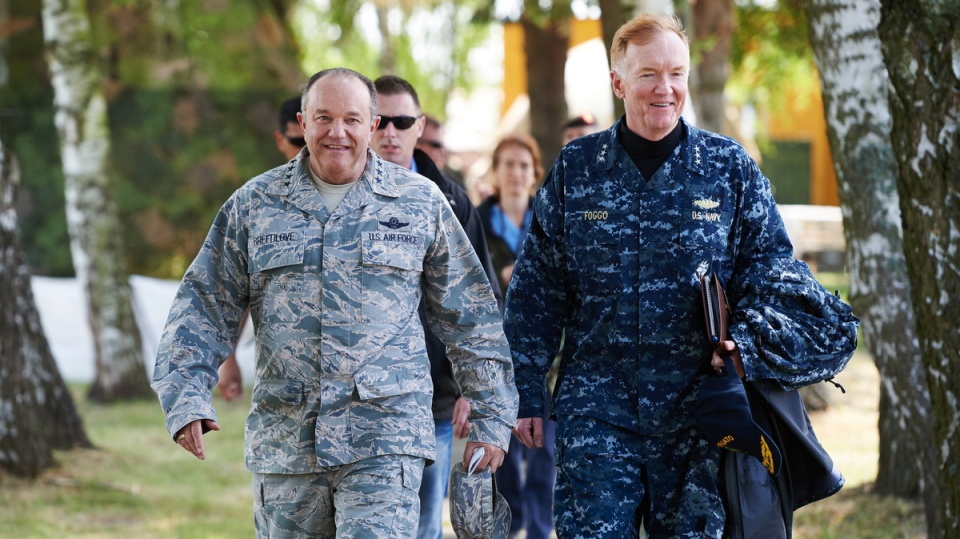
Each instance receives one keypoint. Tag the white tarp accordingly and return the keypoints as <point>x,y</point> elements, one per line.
<point>63,314</point>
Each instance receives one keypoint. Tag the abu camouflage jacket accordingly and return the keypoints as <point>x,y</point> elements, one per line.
<point>613,260</point>
<point>341,368</point>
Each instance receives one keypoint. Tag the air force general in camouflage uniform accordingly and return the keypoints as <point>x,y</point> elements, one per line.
<point>613,259</point>
<point>340,424</point>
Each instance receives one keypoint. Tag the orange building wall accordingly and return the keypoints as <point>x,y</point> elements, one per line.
<point>515,59</point>
<point>805,121</point>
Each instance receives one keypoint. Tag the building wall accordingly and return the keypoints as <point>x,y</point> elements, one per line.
<point>805,121</point>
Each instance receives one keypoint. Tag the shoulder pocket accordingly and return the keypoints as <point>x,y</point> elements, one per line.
<point>705,223</point>
<point>406,256</point>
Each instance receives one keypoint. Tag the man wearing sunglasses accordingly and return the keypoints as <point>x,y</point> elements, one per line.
<point>401,125</point>
<point>289,135</point>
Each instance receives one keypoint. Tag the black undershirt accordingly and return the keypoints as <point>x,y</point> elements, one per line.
<point>648,155</point>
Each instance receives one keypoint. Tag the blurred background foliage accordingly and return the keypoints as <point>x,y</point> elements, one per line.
<point>193,89</point>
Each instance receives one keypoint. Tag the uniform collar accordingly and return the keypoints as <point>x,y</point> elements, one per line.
<point>294,176</point>
<point>693,149</point>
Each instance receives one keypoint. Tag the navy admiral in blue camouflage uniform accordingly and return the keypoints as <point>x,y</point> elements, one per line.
<point>332,253</point>
<point>626,221</point>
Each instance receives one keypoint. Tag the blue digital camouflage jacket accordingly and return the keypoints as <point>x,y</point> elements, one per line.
<point>341,367</point>
<point>613,260</point>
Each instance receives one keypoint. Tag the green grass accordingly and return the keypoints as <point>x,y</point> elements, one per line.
<point>848,431</point>
<point>138,483</point>
<point>835,281</point>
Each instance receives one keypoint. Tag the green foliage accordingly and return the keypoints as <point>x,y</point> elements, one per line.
<point>191,114</point>
<point>41,214</point>
<point>770,53</point>
<point>431,43</point>
<point>540,13</point>
<point>174,170</point>
<point>26,125</point>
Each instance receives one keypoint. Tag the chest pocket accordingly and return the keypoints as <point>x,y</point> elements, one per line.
<point>276,279</point>
<point>704,224</point>
<point>595,253</point>
<point>391,266</point>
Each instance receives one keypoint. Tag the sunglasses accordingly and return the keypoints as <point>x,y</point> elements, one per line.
<point>299,142</point>
<point>432,143</point>
<point>400,122</point>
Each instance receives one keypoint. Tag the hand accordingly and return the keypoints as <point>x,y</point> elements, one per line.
<point>507,272</point>
<point>717,362</point>
<point>231,380</point>
<point>461,411</point>
<point>191,436</point>
<point>492,456</point>
<point>529,430</point>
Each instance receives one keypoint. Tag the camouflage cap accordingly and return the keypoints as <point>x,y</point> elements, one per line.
<point>723,414</point>
<point>477,510</point>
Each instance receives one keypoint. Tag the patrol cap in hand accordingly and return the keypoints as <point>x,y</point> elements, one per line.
<point>477,510</point>
<point>723,414</point>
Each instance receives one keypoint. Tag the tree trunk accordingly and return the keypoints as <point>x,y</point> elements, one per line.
<point>612,17</point>
<point>388,62</point>
<point>919,42</point>
<point>92,218</point>
<point>37,414</point>
<point>855,90</point>
<point>545,45</point>
<point>714,22</point>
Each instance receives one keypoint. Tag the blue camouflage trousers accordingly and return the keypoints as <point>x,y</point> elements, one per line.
<point>373,498</point>
<point>611,481</point>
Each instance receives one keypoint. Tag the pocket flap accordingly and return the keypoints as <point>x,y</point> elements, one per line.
<point>279,393</point>
<point>378,383</point>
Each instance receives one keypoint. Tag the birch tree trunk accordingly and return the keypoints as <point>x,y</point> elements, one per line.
<point>37,414</point>
<point>92,217</point>
<point>920,41</point>
<point>855,89</point>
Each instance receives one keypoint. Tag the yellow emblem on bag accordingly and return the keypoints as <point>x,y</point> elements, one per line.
<point>767,455</point>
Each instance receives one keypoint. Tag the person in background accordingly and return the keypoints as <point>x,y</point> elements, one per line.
<point>431,141</point>
<point>627,221</point>
<point>289,139</point>
<point>332,252</point>
<point>527,476</point>
<point>578,126</point>
<point>289,135</point>
<point>401,126</point>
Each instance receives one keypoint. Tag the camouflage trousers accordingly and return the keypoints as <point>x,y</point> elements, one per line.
<point>611,481</point>
<point>374,498</point>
